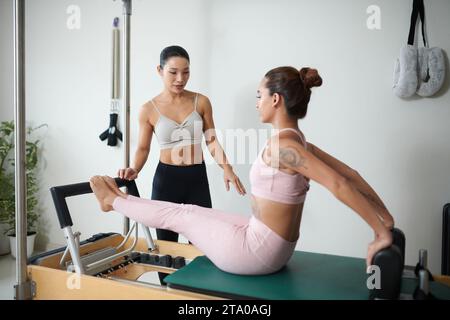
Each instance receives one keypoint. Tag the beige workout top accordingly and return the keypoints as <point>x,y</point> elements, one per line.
<point>173,134</point>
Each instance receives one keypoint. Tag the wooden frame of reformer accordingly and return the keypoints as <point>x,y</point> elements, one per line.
<point>52,282</point>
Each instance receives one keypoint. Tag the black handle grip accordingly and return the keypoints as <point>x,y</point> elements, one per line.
<point>60,193</point>
<point>445,267</point>
<point>398,239</point>
<point>390,262</point>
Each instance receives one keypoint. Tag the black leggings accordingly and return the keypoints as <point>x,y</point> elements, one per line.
<point>180,184</point>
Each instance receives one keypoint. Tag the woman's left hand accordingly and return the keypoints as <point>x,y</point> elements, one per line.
<point>229,176</point>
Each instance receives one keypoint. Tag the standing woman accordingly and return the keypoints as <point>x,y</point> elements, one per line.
<point>179,118</point>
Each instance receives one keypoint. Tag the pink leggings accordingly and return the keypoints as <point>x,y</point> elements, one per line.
<point>234,243</point>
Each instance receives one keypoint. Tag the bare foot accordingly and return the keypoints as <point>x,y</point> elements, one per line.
<point>113,186</point>
<point>104,194</point>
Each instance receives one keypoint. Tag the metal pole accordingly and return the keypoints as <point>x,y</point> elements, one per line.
<point>74,250</point>
<point>23,286</point>
<point>126,91</point>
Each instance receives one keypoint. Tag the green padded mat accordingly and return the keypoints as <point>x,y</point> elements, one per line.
<point>306,276</point>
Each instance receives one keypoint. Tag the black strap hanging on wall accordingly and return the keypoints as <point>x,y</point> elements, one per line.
<point>418,10</point>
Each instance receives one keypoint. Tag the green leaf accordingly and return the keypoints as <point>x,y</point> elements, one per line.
<point>7,189</point>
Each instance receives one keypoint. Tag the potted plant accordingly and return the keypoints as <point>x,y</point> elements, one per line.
<point>7,192</point>
<point>7,185</point>
<point>6,206</point>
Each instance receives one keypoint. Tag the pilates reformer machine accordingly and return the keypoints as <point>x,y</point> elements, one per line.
<point>109,265</point>
<point>112,266</point>
<point>100,267</point>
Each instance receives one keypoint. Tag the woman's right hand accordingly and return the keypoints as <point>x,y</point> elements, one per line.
<point>127,174</point>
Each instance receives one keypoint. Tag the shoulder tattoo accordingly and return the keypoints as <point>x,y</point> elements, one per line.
<point>291,158</point>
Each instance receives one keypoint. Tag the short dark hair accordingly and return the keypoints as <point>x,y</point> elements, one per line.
<point>172,51</point>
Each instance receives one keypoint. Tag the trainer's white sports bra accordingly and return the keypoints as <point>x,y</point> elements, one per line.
<point>173,134</point>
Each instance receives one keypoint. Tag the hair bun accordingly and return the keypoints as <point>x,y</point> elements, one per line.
<point>310,77</point>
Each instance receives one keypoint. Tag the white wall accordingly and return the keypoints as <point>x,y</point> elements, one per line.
<point>399,146</point>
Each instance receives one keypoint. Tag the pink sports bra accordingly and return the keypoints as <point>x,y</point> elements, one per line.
<point>272,184</point>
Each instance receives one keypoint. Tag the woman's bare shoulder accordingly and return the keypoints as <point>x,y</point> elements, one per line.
<point>147,107</point>
<point>203,103</point>
<point>148,113</point>
<point>202,99</point>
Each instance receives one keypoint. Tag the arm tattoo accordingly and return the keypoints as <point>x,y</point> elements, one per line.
<point>290,158</point>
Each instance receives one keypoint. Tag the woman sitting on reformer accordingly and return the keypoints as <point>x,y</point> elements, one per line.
<point>279,177</point>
